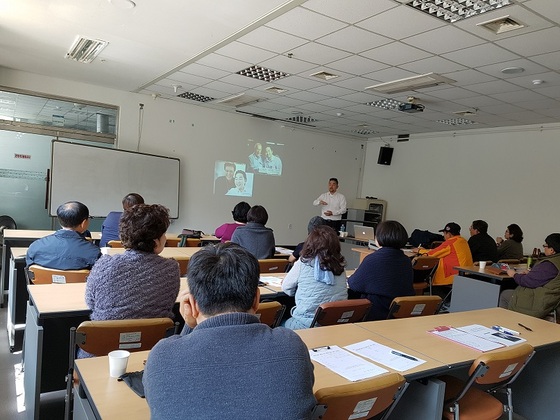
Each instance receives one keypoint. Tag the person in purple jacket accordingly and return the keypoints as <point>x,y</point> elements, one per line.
<point>225,231</point>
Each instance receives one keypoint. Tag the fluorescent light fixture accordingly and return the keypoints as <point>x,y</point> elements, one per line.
<point>238,100</point>
<point>454,10</point>
<point>195,97</point>
<point>390,104</point>
<point>411,83</point>
<point>262,73</point>
<point>85,50</point>
<point>363,132</point>
<point>456,121</point>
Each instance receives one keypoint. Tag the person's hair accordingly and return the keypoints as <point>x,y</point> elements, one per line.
<point>223,278</point>
<point>131,200</point>
<point>240,212</point>
<point>257,214</point>
<point>553,241</point>
<point>314,222</point>
<point>334,179</point>
<point>226,164</point>
<point>480,225</point>
<point>239,171</point>
<point>323,243</point>
<point>72,214</point>
<point>141,225</point>
<point>391,234</point>
<point>516,231</point>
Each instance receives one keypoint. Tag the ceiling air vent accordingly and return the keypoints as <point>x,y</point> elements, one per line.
<point>411,83</point>
<point>501,25</point>
<point>323,75</point>
<point>276,89</point>
<point>238,100</point>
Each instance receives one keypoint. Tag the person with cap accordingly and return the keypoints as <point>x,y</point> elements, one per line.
<point>453,252</point>
<point>482,245</point>
<point>538,289</point>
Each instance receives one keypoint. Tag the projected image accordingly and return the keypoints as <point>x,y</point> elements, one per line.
<point>264,158</point>
<point>231,178</point>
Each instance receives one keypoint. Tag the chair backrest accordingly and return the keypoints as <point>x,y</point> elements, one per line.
<point>270,313</point>
<point>172,242</point>
<point>410,306</point>
<point>503,365</point>
<point>44,275</point>
<point>341,312</point>
<point>425,263</point>
<point>115,244</point>
<point>183,264</point>
<point>101,337</point>
<point>273,265</point>
<point>348,401</point>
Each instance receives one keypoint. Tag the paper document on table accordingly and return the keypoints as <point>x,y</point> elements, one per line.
<point>284,251</point>
<point>387,356</point>
<point>492,335</point>
<point>273,281</point>
<point>344,363</point>
<point>466,339</point>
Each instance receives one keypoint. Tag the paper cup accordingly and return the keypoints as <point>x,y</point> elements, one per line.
<point>104,250</point>
<point>482,265</point>
<point>118,359</point>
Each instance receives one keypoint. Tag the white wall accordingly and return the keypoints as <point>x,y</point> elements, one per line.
<point>199,136</point>
<point>500,176</point>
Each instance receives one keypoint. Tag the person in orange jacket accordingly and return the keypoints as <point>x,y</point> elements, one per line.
<point>453,252</point>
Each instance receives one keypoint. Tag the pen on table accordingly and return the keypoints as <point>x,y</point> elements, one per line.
<point>406,356</point>
<point>524,326</point>
<point>505,330</point>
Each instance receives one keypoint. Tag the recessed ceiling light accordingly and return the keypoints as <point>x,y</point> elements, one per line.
<point>456,121</point>
<point>513,70</point>
<point>363,132</point>
<point>262,73</point>
<point>538,82</point>
<point>454,10</point>
<point>85,50</point>
<point>195,97</point>
<point>390,104</point>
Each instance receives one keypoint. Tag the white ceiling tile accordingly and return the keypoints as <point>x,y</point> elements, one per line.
<point>272,40</point>
<point>240,80</point>
<point>481,55</point>
<point>395,53</point>
<point>318,53</point>
<point>400,22</point>
<point>443,40</point>
<point>204,71</point>
<point>225,87</point>
<point>389,74</point>
<point>335,103</point>
<point>469,77</point>
<point>331,90</point>
<point>497,86</point>
<point>518,96</point>
<point>287,65</point>
<point>298,83</point>
<point>245,53</point>
<point>550,60</point>
<point>357,65</point>
<point>350,11</point>
<point>228,64</point>
<point>433,64</point>
<point>308,96</point>
<point>534,43</point>
<point>305,23</point>
<point>354,39</point>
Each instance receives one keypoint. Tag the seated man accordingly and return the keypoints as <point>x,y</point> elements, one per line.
<point>538,290</point>
<point>229,359</point>
<point>482,245</point>
<point>110,227</point>
<point>453,252</point>
<point>66,249</point>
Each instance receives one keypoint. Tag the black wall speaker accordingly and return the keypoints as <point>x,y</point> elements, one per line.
<point>385,155</point>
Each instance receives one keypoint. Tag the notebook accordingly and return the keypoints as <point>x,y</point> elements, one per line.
<point>363,233</point>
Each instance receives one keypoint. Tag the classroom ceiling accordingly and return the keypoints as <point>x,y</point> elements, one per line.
<point>198,48</point>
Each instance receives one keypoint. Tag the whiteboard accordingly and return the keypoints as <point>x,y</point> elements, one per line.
<point>100,177</point>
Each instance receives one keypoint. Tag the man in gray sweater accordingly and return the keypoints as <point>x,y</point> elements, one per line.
<point>229,365</point>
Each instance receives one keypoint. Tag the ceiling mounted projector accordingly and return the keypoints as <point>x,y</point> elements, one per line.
<point>411,107</point>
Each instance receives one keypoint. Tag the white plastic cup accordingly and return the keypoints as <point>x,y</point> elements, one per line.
<point>118,360</point>
<point>104,250</point>
<point>482,265</point>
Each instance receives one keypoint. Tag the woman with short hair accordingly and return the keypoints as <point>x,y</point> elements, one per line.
<point>511,247</point>
<point>239,213</point>
<point>385,274</point>
<point>317,277</point>
<point>255,237</point>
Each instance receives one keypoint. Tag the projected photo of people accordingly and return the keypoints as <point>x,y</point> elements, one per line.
<point>231,179</point>
<point>265,157</point>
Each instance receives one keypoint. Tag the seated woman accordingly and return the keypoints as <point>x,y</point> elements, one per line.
<point>254,236</point>
<point>385,274</point>
<point>138,283</point>
<point>317,277</point>
<point>539,288</point>
<point>239,213</point>
<point>511,247</point>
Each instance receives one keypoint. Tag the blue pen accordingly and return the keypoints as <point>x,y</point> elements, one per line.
<point>505,330</point>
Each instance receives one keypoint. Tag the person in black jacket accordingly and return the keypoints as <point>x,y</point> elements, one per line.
<point>482,245</point>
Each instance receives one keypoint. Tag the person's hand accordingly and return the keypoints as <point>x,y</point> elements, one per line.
<point>328,213</point>
<point>511,272</point>
<point>185,308</point>
<point>499,240</point>
<point>323,203</point>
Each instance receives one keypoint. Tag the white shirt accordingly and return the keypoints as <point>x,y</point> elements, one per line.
<point>335,202</point>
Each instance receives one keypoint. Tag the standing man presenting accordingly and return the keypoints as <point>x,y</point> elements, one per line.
<point>333,205</point>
